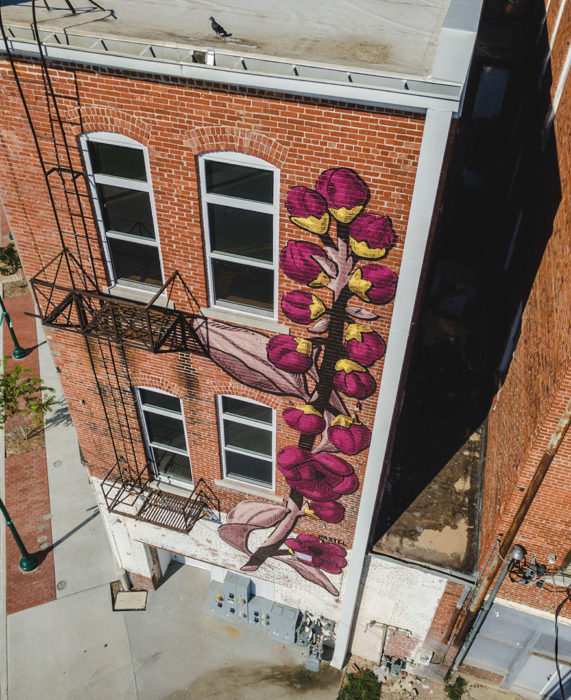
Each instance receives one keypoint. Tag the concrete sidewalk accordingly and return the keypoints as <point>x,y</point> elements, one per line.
<point>64,641</point>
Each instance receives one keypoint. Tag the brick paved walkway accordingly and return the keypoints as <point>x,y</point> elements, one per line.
<point>27,493</point>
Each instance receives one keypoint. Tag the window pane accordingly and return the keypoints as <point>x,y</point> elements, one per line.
<point>135,262</point>
<point>165,430</point>
<point>247,437</point>
<point>126,210</point>
<point>244,285</point>
<point>173,465</point>
<point>241,232</point>
<point>244,409</point>
<point>152,398</point>
<point>248,468</point>
<point>239,181</point>
<point>119,161</point>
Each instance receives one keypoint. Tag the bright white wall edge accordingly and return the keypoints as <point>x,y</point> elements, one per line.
<point>434,140</point>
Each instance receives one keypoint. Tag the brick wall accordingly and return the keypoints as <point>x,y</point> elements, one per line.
<point>177,121</point>
<point>538,385</point>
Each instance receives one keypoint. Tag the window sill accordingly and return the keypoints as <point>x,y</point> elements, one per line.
<point>250,489</point>
<point>184,491</point>
<point>244,319</point>
<point>144,296</point>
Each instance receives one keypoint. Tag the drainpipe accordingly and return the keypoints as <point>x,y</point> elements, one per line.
<point>544,463</point>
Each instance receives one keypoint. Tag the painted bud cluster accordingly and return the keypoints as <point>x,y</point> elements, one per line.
<point>348,435</point>
<point>322,477</point>
<point>302,307</point>
<point>352,379</point>
<point>328,556</point>
<point>305,419</point>
<point>371,236</point>
<point>345,192</point>
<point>307,209</point>
<point>363,345</point>
<point>376,284</point>
<point>299,262</point>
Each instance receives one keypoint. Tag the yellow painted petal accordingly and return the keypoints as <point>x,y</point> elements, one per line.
<point>343,421</point>
<point>346,365</point>
<point>316,308</point>
<point>355,332</point>
<point>312,223</point>
<point>322,280</point>
<point>291,551</point>
<point>307,510</point>
<point>304,346</point>
<point>361,248</point>
<point>308,409</point>
<point>359,286</point>
<point>345,215</point>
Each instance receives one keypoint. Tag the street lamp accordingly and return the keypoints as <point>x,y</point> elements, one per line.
<point>28,562</point>
<point>19,351</point>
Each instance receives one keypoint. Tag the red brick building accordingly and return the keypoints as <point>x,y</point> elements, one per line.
<point>214,229</point>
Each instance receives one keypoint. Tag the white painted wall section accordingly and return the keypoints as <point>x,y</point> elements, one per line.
<point>398,596</point>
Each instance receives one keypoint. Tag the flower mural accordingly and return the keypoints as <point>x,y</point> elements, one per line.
<point>323,371</point>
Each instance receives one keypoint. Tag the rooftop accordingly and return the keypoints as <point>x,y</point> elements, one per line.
<point>399,36</point>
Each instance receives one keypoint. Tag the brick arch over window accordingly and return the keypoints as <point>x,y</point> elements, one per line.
<point>238,390</point>
<point>206,139</point>
<point>114,121</point>
<point>150,381</point>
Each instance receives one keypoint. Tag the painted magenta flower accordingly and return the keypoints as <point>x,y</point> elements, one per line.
<point>348,435</point>
<point>352,379</point>
<point>329,511</point>
<point>312,550</point>
<point>345,192</point>
<point>307,209</point>
<point>371,236</point>
<point>376,284</point>
<point>299,262</point>
<point>322,477</point>
<point>304,419</point>
<point>289,353</point>
<point>301,306</point>
<point>363,345</point>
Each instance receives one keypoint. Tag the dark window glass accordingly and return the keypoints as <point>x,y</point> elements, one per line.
<point>244,409</point>
<point>152,398</point>
<point>244,285</point>
<point>247,437</point>
<point>135,262</point>
<point>239,181</point>
<point>118,161</point>
<point>126,210</point>
<point>173,465</point>
<point>165,430</point>
<point>241,232</point>
<point>248,468</point>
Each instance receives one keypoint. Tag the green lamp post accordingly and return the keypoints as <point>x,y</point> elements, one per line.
<point>19,351</point>
<point>28,562</point>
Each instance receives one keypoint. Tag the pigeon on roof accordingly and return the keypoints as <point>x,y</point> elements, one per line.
<point>218,29</point>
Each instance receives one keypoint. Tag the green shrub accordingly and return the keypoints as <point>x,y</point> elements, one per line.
<point>362,685</point>
<point>23,395</point>
<point>9,260</point>
<point>456,691</point>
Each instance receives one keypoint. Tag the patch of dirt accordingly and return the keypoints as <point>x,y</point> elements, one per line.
<point>16,288</point>
<point>19,440</point>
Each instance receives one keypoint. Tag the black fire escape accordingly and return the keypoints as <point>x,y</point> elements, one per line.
<point>68,297</point>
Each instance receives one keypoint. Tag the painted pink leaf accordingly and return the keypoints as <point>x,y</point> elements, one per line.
<point>363,314</point>
<point>310,573</point>
<point>260,514</point>
<point>320,326</point>
<point>242,354</point>
<point>236,535</point>
<point>326,264</point>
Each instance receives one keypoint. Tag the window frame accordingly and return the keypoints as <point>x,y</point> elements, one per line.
<point>206,198</point>
<point>142,408</point>
<point>252,423</point>
<point>94,179</point>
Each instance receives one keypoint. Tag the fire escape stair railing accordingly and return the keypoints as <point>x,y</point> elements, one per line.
<point>127,493</point>
<point>156,325</point>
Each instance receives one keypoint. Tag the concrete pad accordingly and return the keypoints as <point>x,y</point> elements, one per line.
<point>82,555</point>
<point>73,647</point>
<point>181,650</point>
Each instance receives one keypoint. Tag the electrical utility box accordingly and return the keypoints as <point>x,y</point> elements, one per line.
<point>237,593</point>
<point>283,624</point>
<point>260,612</point>
<point>216,601</point>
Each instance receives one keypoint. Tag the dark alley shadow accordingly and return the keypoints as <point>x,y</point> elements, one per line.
<point>489,244</point>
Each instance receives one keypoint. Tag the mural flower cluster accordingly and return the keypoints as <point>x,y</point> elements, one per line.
<point>328,372</point>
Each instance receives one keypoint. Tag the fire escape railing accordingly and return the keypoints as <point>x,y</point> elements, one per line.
<point>156,325</point>
<point>133,495</point>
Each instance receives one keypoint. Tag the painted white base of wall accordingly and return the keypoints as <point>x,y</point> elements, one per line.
<point>398,596</point>
<point>203,548</point>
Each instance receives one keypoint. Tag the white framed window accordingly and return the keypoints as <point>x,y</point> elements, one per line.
<point>240,207</point>
<point>121,189</point>
<point>247,440</point>
<point>165,435</point>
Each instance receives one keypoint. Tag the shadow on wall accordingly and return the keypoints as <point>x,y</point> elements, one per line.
<point>501,198</point>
